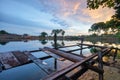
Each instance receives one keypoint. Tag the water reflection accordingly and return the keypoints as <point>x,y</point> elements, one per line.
<point>44,41</point>
<point>33,72</point>
<point>3,43</point>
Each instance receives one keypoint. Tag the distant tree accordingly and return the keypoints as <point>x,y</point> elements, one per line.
<point>98,27</point>
<point>43,34</point>
<point>3,32</point>
<point>55,32</point>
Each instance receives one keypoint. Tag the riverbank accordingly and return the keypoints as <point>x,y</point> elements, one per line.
<point>111,72</point>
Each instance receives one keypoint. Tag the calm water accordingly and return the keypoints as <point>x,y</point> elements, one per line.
<point>32,71</point>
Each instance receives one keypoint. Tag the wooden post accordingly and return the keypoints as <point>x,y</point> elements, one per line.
<point>115,54</point>
<point>81,45</point>
<point>1,67</point>
<point>100,65</point>
<point>55,64</point>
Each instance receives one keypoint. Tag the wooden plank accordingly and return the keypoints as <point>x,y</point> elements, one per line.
<point>62,72</point>
<point>53,55</point>
<point>68,56</point>
<point>39,63</point>
<point>22,58</point>
<point>9,60</point>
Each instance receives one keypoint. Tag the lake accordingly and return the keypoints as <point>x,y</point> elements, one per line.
<point>31,71</point>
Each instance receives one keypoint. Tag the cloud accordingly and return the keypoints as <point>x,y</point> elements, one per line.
<point>70,15</point>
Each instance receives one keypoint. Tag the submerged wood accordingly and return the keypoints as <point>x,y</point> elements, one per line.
<point>22,58</point>
<point>9,60</point>
<point>39,63</point>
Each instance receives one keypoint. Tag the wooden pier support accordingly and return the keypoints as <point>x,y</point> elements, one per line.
<point>115,54</point>
<point>100,65</point>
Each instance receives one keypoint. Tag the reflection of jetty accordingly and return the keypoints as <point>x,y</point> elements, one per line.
<point>80,63</point>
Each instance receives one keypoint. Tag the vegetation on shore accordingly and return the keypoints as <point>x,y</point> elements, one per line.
<point>109,27</point>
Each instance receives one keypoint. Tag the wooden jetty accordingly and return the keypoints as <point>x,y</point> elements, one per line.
<point>17,58</point>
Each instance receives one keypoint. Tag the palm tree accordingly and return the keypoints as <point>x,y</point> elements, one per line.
<point>55,32</point>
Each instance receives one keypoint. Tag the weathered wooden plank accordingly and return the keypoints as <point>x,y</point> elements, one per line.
<point>39,63</point>
<point>22,58</point>
<point>53,55</point>
<point>62,72</point>
<point>9,60</point>
<point>68,56</point>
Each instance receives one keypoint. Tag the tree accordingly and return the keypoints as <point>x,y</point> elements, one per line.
<point>55,32</point>
<point>43,34</point>
<point>97,27</point>
<point>3,32</point>
<point>115,4</point>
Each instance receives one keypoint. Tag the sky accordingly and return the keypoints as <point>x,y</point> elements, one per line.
<point>36,16</point>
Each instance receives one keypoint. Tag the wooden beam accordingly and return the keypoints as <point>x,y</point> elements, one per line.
<point>62,72</point>
<point>39,63</point>
<point>68,56</point>
<point>53,55</point>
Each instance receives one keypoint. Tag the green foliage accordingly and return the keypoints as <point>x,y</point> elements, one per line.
<point>94,50</point>
<point>43,34</point>
<point>118,54</point>
<point>3,32</point>
<point>114,22</point>
<point>95,4</point>
<point>57,31</point>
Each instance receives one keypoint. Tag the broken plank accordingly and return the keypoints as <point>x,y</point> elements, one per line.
<point>22,58</point>
<point>53,55</point>
<point>65,55</point>
<point>8,60</point>
<point>39,63</point>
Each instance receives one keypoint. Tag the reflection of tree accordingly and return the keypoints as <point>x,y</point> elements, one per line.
<point>3,43</point>
<point>56,44</point>
<point>44,41</point>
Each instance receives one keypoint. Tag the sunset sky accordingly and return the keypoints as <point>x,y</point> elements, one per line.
<point>35,16</point>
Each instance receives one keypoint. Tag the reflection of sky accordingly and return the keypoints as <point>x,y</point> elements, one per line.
<point>34,16</point>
